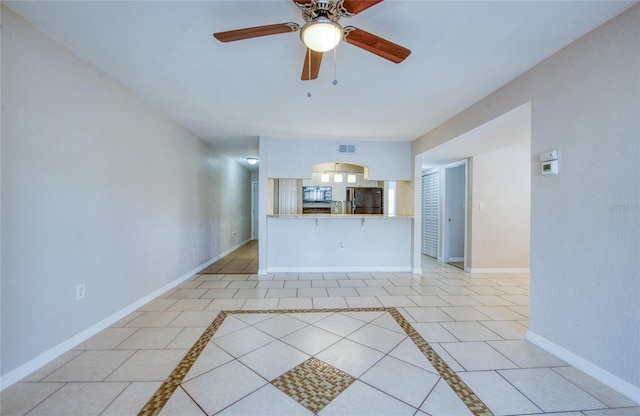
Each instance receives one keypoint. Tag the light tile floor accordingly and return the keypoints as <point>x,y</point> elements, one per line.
<point>476,323</point>
<point>242,260</point>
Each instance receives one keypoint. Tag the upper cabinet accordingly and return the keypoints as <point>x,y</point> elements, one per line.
<point>288,196</point>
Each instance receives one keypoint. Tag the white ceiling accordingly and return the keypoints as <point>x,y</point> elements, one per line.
<point>229,94</point>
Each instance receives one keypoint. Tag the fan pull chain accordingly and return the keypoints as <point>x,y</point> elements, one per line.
<point>335,66</point>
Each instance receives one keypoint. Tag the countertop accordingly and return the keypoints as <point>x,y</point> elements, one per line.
<point>343,216</point>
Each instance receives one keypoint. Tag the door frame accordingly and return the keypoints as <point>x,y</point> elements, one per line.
<point>254,209</point>
<point>444,241</point>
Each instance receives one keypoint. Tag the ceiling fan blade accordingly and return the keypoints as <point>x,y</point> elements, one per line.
<point>257,31</point>
<point>375,44</point>
<point>356,6</point>
<point>311,68</point>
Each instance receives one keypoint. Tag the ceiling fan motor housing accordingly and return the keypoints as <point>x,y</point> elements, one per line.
<point>332,10</point>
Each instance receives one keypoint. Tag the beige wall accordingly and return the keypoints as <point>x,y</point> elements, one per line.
<point>585,222</point>
<point>404,198</point>
<point>500,207</point>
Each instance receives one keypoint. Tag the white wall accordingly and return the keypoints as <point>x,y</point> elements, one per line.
<point>500,206</point>
<point>293,158</point>
<point>99,188</point>
<point>307,244</point>
<point>585,265</point>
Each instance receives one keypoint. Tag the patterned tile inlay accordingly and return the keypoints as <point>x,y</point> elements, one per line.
<point>164,392</point>
<point>313,384</point>
<point>463,391</point>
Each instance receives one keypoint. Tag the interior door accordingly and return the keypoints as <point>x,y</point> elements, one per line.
<point>430,213</point>
<point>456,184</point>
<point>254,210</point>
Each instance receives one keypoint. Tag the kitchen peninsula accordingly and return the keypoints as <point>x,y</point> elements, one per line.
<point>335,242</point>
<point>295,239</point>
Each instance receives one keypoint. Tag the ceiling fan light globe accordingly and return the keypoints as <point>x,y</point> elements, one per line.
<point>321,35</point>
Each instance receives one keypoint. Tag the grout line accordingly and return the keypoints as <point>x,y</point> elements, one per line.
<point>519,391</point>
<point>168,387</point>
<point>469,398</point>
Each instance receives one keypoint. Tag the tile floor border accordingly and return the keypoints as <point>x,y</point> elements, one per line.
<point>155,404</point>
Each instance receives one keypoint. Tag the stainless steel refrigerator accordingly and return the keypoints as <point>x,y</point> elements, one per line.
<point>364,200</point>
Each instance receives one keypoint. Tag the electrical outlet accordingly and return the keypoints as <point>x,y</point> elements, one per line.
<point>341,245</point>
<point>80,292</point>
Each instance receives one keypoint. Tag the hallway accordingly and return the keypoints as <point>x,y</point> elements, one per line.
<point>242,260</point>
<point>363,331</point>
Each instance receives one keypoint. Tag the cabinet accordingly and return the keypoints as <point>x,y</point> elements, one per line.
<point>287,196</point>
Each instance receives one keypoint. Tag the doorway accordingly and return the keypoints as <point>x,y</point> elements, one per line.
<point>493,197</point>
<point>455,215</point>
<point>254,210</point>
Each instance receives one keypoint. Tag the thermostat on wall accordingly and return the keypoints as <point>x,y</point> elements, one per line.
<point>550,167</point>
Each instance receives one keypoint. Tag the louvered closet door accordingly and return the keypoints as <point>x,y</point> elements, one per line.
<point>430,204</point>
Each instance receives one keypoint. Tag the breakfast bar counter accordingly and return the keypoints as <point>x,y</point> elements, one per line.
<point>343,216</point>
<point>338,243</point>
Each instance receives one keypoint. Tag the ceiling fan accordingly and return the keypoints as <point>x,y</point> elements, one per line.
<point>322,32</point>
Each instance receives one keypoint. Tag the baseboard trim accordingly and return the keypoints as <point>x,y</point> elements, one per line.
<point>337,269</point>
<point>455,259</point>
<point>24,370</point>
<point>497,270</point>
<point>616,383</point>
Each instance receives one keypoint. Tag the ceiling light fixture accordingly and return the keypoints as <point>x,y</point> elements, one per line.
<point>324,177</point>
<point>337,177</point>
<point>252,160</point>
<point>321,34</point>
<point>351,178</point>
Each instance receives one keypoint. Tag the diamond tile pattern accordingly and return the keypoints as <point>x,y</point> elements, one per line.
<point>439,342</point>
<point>314,383</point>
